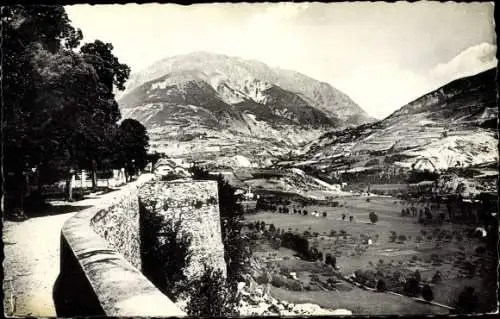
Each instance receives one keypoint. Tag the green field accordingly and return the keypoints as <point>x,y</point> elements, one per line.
<point>352,254</point>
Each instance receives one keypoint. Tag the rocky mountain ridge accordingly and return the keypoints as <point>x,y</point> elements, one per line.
<point>453,125</point>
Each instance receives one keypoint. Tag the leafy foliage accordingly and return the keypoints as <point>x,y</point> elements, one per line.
<point>211,296</point>
<point>164,253</point>
<point>59,110</point>
<point>373,217</point>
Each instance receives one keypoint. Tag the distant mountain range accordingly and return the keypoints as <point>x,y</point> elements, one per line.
<point>226,98</point>
<point>453,125</point>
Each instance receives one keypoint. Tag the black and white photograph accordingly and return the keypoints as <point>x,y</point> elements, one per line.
<point>249,159</point>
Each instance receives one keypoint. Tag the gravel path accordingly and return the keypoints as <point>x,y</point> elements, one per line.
<point>31,264</point>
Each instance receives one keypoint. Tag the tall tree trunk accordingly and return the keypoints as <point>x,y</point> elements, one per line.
<point>126,176</point>
<point>94,176</point>
<point>69,187</point>
<point>94,179</point>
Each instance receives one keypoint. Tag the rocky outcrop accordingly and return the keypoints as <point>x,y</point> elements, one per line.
<point>254,303</point>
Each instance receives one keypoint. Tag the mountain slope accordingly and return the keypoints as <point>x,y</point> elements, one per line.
<point>206,104</point>
<point>232,76</point>
<point>453,125</point>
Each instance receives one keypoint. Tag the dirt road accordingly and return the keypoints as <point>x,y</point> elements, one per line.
<point>31,263</point>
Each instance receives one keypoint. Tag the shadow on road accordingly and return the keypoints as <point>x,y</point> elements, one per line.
<point>51,210</point>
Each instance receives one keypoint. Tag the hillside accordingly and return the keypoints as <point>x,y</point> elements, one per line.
<point>454,125</point>
<point>236,79</point>
<point>207,104</point>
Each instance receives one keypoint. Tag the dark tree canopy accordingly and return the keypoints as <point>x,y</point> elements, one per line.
<point>133,143</point>
<point>59,110</point>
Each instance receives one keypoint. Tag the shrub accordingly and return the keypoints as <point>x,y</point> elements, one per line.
<point>278,281</point>
<point>401,238</point>
<point>436,278</point>
<point>330,260</point>
<point>272,228</point>
<point>333,233</point>
<point>373,217</point>
<point>293,285</point>
<point>467,301</point>
<point>427,293</point>
<point>418,239</point>
<point>211,295</point>
<point>165,254</point>
<point>381,286</point>
<point>368,199</point>
<point>324,214</point>
<point>412,287</point>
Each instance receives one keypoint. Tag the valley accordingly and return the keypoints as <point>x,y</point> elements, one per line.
<point>341,210</point>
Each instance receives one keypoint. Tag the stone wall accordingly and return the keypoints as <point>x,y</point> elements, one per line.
<point>196,204</point>
<point>119,225</point>
<point>100,263</point>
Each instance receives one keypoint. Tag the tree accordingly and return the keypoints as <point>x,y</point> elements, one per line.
<point>133,143</point>
<point>211,295</point>
<point>373,217</point>
<point>427,293</point>
<point>27,32</point>
<point>164,254</point>
<point>412,287</point>
<point>467,301</point>
<point>272,228</point>
<point>381,286</point>
<point>105,111</point>
<point>331,260</point>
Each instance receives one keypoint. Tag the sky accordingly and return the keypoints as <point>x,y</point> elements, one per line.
<point>383,55</point>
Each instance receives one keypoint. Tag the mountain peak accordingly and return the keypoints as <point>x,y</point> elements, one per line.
<point>239,72</point>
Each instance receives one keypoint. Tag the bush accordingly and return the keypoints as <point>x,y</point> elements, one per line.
<point>324,214</point>
<point>278,281</point>
<point>381,286</point>
<point>467,301</point>
<point>164,254</point>
<point>436,278</point>
<point>333,233</point>
<point>412,287</point>
<point>293,285</point>
<point>373,217</point>
<point>330,260</point>
<point>211,295</point>
<point>427,293</point>
<point>401,238</point>
<point>272,228</point>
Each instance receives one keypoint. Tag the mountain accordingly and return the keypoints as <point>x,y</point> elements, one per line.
<point>233,76</point>
<point>453,125</point>
<point>199,102</point>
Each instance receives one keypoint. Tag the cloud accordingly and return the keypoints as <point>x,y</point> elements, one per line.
<point>471,61</point>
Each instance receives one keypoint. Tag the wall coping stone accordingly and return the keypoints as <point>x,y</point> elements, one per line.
<point>121,289</point>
